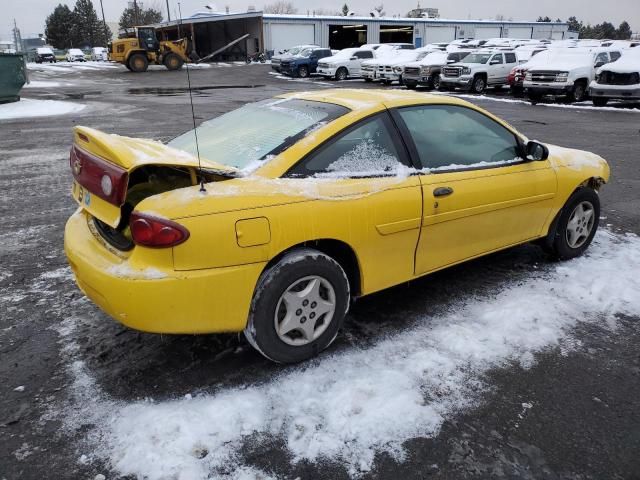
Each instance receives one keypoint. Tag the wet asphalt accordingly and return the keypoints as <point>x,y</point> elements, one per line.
<point>586,420</point>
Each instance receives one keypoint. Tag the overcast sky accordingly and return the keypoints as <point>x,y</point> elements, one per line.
<point>31,14</point>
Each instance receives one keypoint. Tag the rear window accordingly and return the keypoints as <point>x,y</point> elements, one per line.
<point>510,57</point>
<point>257,131</point>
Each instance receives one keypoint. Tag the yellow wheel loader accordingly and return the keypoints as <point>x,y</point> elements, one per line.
<point>139,46</point>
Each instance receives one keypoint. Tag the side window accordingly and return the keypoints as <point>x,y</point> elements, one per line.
<point>325,53</point>
<point>449,137</point>
<point>615,56</point>
<point>496,59</point>
<point>369,149</point>
<point>602,58</point>
<point>365,54</point>
<point>510,58</point>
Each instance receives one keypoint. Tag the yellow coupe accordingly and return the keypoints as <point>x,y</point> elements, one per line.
<point>301,203</point>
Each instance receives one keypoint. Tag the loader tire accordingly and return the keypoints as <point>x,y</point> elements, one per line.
<point>173,62</point>
<point>138,63</point>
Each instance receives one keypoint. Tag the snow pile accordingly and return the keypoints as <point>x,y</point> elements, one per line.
<point>351,405</point>
<point>28,108</point>
<point>124,270</point>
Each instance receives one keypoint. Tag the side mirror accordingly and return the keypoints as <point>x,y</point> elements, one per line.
<point>536,151</point>
<point>353,58</point>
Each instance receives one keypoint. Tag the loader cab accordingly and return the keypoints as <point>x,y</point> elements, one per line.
<point>147,38</point>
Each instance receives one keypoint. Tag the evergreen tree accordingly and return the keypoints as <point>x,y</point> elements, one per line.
<point>88,31</point>
<point>345,10</point>
<point>607,31</point>
<point>136,17</point>
<point>59,26</point>
<point>624,31</point>
<point>574,24</point>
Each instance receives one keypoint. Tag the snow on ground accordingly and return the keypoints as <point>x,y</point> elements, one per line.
<point>44,84</point>
<point>30,108</point>
<point>350,405</point>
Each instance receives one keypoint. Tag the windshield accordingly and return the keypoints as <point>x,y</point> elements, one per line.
<point>477,58</point>
<point>346,53</point>
<point>257,131</point>
<point>306,52</point>
<point>75,51</point>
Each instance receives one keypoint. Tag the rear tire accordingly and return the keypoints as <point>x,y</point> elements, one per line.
<point>298,306</point>
<point>577,224</point>
<point>368,80</point>
<point>173,62</point>
<point>600,102</point>
<point>138,63</point>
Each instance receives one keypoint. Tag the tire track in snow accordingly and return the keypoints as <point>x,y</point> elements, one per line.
<point>348,406</point>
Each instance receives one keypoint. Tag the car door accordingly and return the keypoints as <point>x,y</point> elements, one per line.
<point>479,194</point>
<point>510,61</point>
<point>361,56</point>
<point>496,66</point>
<point>360,180</point>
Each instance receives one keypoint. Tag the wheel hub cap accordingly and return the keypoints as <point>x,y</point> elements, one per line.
<point>580,224</point>
<point>305,310</point>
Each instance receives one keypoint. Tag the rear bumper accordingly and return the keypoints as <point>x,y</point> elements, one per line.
<point>631,92</point>
<point>198,301</point>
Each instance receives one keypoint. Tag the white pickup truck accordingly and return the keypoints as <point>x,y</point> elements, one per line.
<point>426,72</point>
<point>344,64</point>
<point>389,68</point>
<point>566,72</point>
<point>619,80</point>
<point>479,70</point>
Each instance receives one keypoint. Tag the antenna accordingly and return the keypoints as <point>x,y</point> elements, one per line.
<point>193,114</point>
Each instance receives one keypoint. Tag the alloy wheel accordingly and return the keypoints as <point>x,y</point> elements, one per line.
<point>580,224</point>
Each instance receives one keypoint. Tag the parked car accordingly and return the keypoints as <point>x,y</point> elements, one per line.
<point>567,73</point>
<point>276,59</point>
<point>75,55</point>
<point>139,244</point>
<point>389,68</point>
<point>45,54</point>
<point>344,64</point>
<point>426,72</point>
<point>303,63</point>
<point>619,80</point>
<point>526,59</point>
<point>479,70</point>
<point>99,54</point>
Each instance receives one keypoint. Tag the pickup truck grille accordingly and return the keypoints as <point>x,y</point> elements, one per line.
<point>383,68</point>
<point>613,78</point>
<point>452,71</point>
<point>542,76</point>
<point>412,71</point>
<point>285,64</point>
<point>368,68</point>
<point>323,65</point>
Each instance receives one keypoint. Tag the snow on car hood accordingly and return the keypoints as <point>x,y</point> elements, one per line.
<point>628,63</point>
<point>564,62</point>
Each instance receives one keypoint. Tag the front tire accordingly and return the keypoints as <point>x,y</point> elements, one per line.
<point>435,81</point>
<point>342,74</point>
<point>578,93</point>
<point>173,62</point>
<point>479,85</point>
<point>577,224</point>
<point>298,306</point>
<point>534,98</point>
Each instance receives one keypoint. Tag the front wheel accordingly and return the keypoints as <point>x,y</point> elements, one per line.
<point>534,97</point>
<point>579,92</point>
<point>577,224</point>
<point>342,74</point>
<point>368,80</point>
<point>138,63</point>
<point>303,72</point>
<point>435,81</point>
<point>479,84</point>
<point>173,62</point>
<point>298,306</point>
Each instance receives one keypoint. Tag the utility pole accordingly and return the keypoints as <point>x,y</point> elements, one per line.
<point>168,12</point>
<point>104,23</point>
<point>135,12</point>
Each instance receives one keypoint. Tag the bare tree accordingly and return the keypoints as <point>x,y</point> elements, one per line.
<point>281,6</point>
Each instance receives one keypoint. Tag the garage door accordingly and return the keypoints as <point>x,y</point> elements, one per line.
<point>487,32</point>
<point>439,34</point>
<point>287,35</point>
<point>519,32</point>
<point>557,35</point>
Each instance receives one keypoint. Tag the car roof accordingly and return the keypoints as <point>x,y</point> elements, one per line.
<point>358,99</point>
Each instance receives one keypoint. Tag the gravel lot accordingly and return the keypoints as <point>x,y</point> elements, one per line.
<point>569,410</point>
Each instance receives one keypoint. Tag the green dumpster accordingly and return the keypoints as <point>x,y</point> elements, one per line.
<point>12,76</point>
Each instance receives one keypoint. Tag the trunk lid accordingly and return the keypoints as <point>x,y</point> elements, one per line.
<point>113,173</point>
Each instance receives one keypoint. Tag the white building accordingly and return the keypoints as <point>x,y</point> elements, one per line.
<point>283,31</point>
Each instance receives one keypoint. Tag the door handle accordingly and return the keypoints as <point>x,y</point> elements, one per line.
<point>442,191</point>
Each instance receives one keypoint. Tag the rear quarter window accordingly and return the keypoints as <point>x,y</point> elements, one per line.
<point>510,58</point>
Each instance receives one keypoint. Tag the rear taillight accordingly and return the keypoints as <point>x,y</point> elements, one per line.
<point>151,231</point>
<point>102,178</point>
